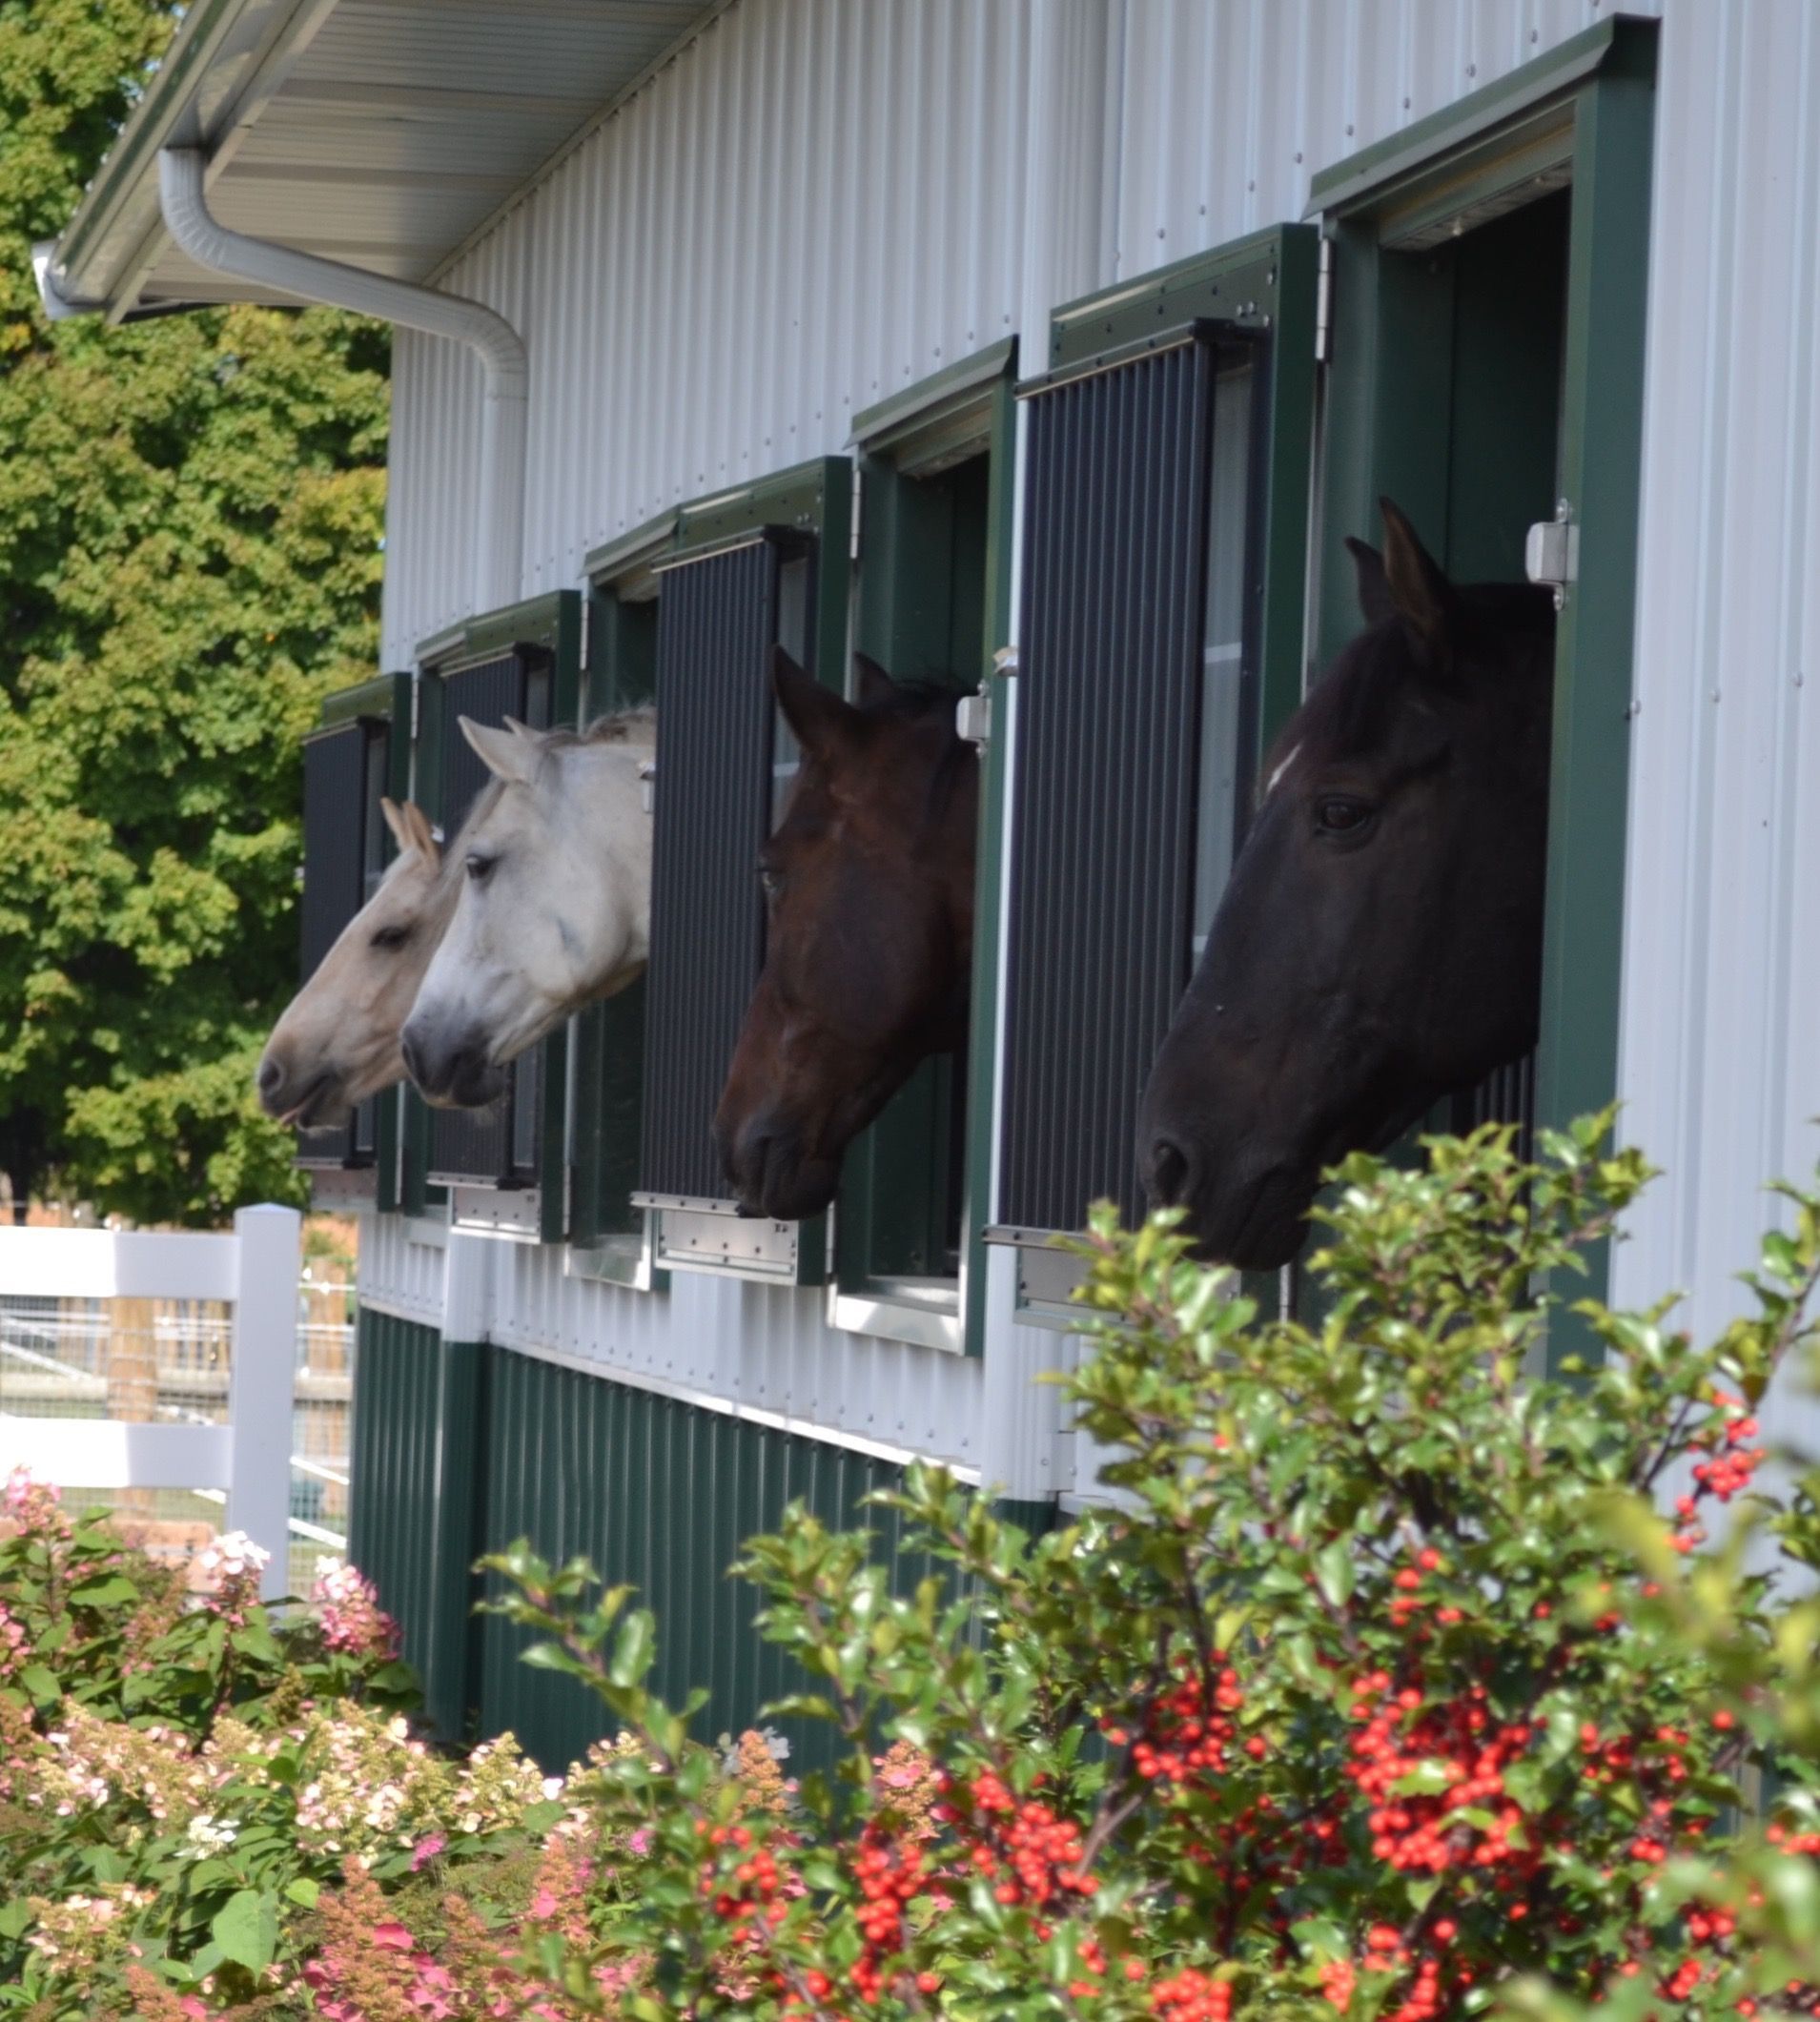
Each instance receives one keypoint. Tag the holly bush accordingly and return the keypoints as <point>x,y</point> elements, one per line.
<point>1397,1673</point>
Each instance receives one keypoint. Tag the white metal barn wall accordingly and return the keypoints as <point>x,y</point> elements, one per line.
<point>1720,1062</point>
<point>817,202</point>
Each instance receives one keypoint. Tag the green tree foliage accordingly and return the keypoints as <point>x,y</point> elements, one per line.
<point>191,512</point>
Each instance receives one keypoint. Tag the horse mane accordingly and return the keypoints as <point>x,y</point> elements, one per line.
<point>618,727</point>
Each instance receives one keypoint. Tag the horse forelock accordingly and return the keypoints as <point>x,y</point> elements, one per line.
<point>1351,709</point>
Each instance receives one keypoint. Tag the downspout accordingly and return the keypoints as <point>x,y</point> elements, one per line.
<point>499,526</point>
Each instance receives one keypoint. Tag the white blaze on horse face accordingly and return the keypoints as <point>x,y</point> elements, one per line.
<point>555,895</point>
<point>338,1040</point>
<point>1289,759</point>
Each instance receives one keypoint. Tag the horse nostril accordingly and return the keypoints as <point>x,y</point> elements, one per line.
<point>1171,1172</point>
<point>412,1054</point>
<point>271,1078</point>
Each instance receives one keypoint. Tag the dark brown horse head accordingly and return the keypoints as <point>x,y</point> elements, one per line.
<point>1379,941</point>
<point>868,939</point>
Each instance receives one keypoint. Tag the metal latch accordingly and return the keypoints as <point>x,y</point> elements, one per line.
<point>973,718</point>
<point>1005,661</point>
<point>1551,552</point>
<point>647,784</point>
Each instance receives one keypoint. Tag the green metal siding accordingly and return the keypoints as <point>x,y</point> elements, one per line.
<point>394,1470</point>
<point>659,1494</point>
<point>414,1515</point>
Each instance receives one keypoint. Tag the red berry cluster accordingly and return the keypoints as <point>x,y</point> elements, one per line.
<point>890,1874</point>
<point>1732,1463</point>
<point>1427,1835</point>
<point>1191,1996</point>
<point>1189,1730</point>
<point>754,1889</point>
<point>1030,1854</point>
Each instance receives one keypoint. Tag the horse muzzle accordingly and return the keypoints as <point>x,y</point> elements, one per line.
<point>305,1102</point>
<point>772,1176</point>
<point>457,1075</point>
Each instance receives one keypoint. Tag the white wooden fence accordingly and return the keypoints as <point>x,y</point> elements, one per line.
<point>256,1270</point>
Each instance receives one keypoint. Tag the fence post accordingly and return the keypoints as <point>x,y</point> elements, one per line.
<point>262,1381</point>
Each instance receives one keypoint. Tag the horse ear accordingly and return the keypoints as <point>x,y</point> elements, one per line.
<point>423,836</point>
<point>396,821</point>
<point>504,753</point>
<point>820,718</point>
<point>1374,592</point>
<point>1419,588</point>
<point>875,687</point>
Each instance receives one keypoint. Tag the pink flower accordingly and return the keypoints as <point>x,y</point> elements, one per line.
<point>426,1850</point>
<point>544,1904</point>
<point>639,1843</point>
<point>393,1937</point>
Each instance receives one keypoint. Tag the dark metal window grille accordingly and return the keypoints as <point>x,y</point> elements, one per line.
<point>717,622</point>
<point>344,831</point>
<point>1104,822</point>
<point>499,1146</point>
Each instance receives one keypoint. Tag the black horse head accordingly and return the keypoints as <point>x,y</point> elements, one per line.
<point>1379,941</point>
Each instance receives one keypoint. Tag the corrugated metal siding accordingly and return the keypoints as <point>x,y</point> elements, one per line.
<point>679,343</point>
<point>394,1472</point>
<point>659,1495</point>
<point>1720,1060</point>
<point>766,1349</point>
<point>706,300</point>
<point>1227,109</point>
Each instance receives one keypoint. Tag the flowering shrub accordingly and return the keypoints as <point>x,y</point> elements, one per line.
<point>1377,1688</point>
<point>1391,1681</point>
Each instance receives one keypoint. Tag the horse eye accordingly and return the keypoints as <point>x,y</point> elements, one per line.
<point>1341,817</point>
<point>394,936</point>
<point>481,868</point>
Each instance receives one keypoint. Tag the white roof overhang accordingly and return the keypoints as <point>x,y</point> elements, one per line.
<point>383,133</point>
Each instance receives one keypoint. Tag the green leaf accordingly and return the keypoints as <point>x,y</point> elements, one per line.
<point>42,1684</point>
<point>109,1591</point>
<point>16,1918</point>
<point>1335,1569</point>
<point>304,1891</point>
<point>246,1927</point>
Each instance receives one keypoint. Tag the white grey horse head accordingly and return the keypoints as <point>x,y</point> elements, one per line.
<point>554,871</point>
<point>338,1041</point>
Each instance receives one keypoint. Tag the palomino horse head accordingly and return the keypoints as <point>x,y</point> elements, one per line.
<point>338,1041</point>
<point>868,942</point>
<point>1379,941</point>
<point>554,909</point>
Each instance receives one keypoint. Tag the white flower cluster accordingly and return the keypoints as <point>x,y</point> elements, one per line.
<point>232,1555</point>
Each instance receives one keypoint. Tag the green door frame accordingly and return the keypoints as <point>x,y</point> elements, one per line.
<point>611,1238</point>
<point>1582,117</point>
<point>967,409</point>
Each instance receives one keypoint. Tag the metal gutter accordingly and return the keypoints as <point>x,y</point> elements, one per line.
<point>500,525</point>
<point>167,98</point>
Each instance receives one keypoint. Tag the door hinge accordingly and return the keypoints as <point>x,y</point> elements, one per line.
<point>973,717</point>
<point>853,537</point>
<point>417,701</point>
<point>1324,301</point>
